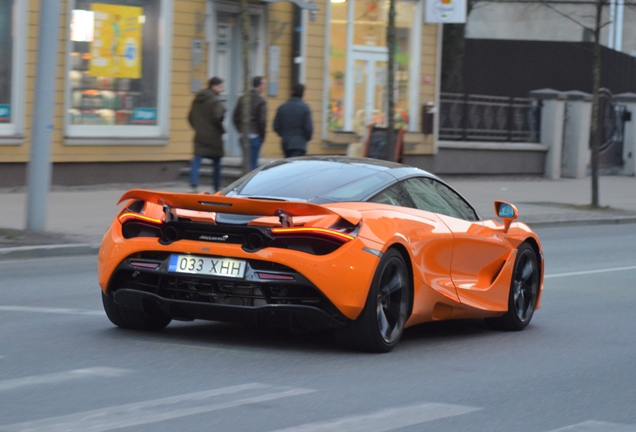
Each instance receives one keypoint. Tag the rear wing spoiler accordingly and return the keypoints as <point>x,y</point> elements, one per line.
<point>235,205</point>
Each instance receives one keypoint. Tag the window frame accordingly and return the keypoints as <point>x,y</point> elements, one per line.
<point>15,128</point>
<point>414,69</point>
<point>452,205</point>
<point>101,133</point>
<point>403,195</point>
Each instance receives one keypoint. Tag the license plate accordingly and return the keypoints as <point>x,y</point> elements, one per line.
<point>209,266</point>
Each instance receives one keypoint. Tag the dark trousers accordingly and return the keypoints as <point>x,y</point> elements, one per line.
<point>294,153</point>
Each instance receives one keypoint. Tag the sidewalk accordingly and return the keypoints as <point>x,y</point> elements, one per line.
<point>78,216</point>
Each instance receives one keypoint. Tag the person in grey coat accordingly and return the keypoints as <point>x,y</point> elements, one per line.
<point>206,118</point>
<point>293,123</point>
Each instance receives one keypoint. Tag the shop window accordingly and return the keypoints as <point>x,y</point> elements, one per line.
<point>116,69</point>
<point>369,35</point>
<point>371,17</point>
<point>12,17</point>
<point>405,13</point>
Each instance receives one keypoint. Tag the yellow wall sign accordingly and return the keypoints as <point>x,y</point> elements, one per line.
<point>116,47</point>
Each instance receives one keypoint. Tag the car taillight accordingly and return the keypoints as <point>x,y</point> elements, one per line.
<point>127,216</point>
<point>138,225</point>
<point>315,241</point>
<point>309,232</point>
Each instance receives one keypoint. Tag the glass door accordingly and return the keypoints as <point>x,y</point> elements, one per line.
<point>369,99</point>
<point>228,64</point>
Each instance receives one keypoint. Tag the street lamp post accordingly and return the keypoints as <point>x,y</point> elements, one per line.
<point>39,167</point>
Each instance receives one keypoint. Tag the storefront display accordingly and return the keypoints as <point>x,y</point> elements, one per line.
<point>114,63</point>
<point>357,85</point>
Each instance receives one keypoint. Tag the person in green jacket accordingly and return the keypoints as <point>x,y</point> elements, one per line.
<point>206,118</point>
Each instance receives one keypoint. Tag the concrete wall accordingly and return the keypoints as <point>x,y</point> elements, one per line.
<point>535,21</point>
<point>526,159</point>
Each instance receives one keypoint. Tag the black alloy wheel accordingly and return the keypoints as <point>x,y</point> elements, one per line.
<point>123,317</point>
<point>381,323</point>
<point>524,292</point>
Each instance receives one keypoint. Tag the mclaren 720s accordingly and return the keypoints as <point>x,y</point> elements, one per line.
<point>361,247</point>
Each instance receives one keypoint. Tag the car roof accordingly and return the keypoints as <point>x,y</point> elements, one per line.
<point>365,163</point>
<point>319,178</point>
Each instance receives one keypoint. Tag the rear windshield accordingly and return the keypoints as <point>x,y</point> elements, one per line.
<point>314,180</point>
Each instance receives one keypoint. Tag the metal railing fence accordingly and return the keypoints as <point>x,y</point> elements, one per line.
<point>466,117</point>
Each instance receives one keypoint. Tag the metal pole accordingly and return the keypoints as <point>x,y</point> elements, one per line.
<point>611,33</point>
<point>39,167</point>
<point>620,8</point>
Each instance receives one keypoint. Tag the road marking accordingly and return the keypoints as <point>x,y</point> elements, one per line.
<point>50,310</point>
<point>14,383</point>
<point>205,348</point>
<point>586,272</point>
<point>158,410</point>
<point>385,420</point>
<point>597,426</point>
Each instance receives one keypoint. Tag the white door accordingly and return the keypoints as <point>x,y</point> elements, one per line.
<point>369,95</point>
<point>227,61</point>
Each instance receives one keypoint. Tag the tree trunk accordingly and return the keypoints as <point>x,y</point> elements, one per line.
<point>453,51</point>
<point>453,48</point>
<point>595,130</point>
<point>390,41</point>
<point>245,109</point>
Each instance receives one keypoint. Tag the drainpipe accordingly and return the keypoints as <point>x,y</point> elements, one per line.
<point>611,31</point>
<point>298,55</point>
<point>620,9</point>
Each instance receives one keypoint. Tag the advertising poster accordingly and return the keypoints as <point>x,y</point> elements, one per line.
<point>5,113</point>
<point>446,11</point>
<point>116,47</point>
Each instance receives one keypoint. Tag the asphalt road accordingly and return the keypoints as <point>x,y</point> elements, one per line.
<point>64,367</point>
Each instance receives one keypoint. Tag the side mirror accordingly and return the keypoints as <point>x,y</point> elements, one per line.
<point>507,212</point>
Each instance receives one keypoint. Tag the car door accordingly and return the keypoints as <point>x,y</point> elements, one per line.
<point>480,248</point>
<point>431,244</point>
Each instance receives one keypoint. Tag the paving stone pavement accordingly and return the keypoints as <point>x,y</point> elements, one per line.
<point>77,217</point>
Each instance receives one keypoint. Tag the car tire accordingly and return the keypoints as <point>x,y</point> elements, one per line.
<point>132,319</point>
<point>524,292</point>
<point>381,323</point>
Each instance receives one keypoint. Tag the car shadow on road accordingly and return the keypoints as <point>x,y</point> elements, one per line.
<point>234,336</point>
<point>445,330</point>
<point>226,336</point>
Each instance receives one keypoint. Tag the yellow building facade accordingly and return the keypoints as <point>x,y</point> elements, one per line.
<point>127,71</point>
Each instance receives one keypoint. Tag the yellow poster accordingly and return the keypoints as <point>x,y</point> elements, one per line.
<point>116,47</point>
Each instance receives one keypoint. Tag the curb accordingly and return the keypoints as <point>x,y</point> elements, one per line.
<point>582,222</point>
<point>48,251</point>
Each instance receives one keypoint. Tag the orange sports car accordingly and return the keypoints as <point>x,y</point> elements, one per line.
<point>362,247</point>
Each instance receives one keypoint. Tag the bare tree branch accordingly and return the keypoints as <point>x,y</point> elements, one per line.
<point>563,14</point>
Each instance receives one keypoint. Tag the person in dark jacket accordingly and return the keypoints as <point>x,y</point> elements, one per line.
<point>258,119</point>
<point>206,118</point>
<point>293,123</point>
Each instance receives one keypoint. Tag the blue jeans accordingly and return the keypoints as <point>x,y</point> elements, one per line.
<point>255,148</point>
<point>194,171</point>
